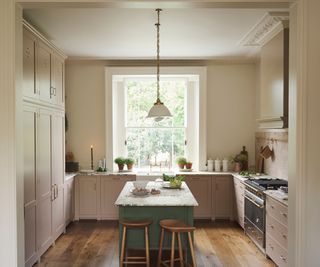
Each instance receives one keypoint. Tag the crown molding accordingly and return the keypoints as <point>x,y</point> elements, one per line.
<point>268,27</point>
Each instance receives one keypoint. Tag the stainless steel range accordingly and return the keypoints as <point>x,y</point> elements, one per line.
<point>254,222</point>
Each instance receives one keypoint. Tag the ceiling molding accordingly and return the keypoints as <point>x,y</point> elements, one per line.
<point>269,26</point>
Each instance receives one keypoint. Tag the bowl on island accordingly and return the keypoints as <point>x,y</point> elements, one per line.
<point>140,184</point>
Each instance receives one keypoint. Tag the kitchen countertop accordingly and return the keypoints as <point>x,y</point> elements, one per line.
<point>278,195</point>
<point>69,175</point>
<point>167,197</point>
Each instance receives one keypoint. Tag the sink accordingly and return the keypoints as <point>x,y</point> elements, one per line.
<point>150,176</point>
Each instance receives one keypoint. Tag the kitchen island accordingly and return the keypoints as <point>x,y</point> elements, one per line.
<point>169,204</point>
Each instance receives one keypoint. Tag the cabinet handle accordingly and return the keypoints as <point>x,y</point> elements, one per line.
<point>272,207</point>
<point>57,191</point>
<point>283,214</point>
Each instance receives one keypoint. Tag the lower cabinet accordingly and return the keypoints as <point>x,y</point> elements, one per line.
<point>95,196</point>
<point>214,195</point>
<point>87,197</point>
<point>111,187</point>
<point>222,197</point>
<point>238,187</point>
<point>200,187</point>
<point>277,231</point>
<point>69,200</point>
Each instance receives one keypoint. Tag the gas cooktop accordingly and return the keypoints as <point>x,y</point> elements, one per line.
<point>266,183</point>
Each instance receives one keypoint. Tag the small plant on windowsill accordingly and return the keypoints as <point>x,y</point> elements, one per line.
<point>121,162</point>
<point>189,165</point>
<point>129,162</point>
<point>181,161</point>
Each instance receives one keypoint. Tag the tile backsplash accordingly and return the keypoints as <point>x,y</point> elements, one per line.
<point>277,165</point>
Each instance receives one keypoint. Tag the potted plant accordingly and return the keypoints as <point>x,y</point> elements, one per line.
<point>129,162</point>
<point>189,165</point>
<point>240,161</point>
<point>181,161</point>
<point>120,161</point>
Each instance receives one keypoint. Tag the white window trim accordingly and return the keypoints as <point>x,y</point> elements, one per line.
<point>113,76</point>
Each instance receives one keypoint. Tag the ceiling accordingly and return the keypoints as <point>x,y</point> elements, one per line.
<point>120,33</point>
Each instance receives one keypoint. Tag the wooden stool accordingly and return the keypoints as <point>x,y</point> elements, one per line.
<point>175,227</point>
<point>135,260</point>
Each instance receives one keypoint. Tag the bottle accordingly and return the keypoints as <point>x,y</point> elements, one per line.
<point>244,152</point>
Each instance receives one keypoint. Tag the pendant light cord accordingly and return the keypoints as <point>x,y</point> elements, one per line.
<point>158,56</point>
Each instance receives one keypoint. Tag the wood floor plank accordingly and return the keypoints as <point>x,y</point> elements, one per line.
<point>95,244</point>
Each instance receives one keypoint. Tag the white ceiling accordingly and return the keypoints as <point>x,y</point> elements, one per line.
<point>130,33</point>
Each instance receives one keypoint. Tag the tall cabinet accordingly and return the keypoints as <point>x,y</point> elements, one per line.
<point>43,126</point>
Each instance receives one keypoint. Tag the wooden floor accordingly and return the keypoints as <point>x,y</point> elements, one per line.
<point>92,243</point>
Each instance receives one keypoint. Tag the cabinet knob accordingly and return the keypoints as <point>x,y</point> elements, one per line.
<point>283,214</point>
<point>284,236</point>
<point>271,247</point>
<point>271,226</point>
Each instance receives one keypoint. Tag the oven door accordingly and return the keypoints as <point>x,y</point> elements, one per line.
<point>255,210</point>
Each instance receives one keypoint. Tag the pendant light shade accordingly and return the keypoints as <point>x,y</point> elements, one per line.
<point>158,111</point>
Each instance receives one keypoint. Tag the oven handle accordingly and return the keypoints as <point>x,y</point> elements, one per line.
<point>259,206</point>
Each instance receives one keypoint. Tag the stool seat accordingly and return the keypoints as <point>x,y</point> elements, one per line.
<point>176,226</point>
<point>134,223</point>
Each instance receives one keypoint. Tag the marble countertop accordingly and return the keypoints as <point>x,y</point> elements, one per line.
<point>167,197</point>
<point>69,175</point>
<point>278,195</point>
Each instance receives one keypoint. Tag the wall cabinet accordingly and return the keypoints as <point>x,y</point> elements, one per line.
<point>222,197</point>
<point>43,70</point>
<point>239,187</point>
<point>200,187</point>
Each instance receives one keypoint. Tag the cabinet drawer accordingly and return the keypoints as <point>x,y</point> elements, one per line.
<point>277,253</point>
<point>277,210</point>
<point>277,230</point>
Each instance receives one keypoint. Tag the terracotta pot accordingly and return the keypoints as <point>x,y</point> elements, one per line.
<point>237,167</point>
<point>189,166</point>
<point>120,166</point>
<point>129,166</point>
<point>181,166</point>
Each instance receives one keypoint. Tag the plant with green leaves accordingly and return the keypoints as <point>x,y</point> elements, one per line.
<point>121,162</point>
<point>129,162</point>
<point>181,161</point>
<point>177,181</point>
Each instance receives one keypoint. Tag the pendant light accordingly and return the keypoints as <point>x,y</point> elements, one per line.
<point>158,110</point>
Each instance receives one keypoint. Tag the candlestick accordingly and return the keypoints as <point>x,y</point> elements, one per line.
<point>91,157</point>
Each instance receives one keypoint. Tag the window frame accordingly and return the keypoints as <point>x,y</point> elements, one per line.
<point>196,100</point>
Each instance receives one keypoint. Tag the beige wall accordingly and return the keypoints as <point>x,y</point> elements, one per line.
<point>231,107</point>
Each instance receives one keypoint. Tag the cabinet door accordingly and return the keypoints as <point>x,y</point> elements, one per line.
<point>223,197</point>
<point>111,187</point>
<point>30,200</point>
<point>44,236</point>
<point>57,154</point>
<point>69,200</point>
<point>200,187</point>
<point>239,201</point>
<point>57,78</point>
<point>88,206</point>
<point>29,85</point>
<point>44,71</point>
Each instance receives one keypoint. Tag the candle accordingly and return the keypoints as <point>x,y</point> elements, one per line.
<point>91,157</point>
